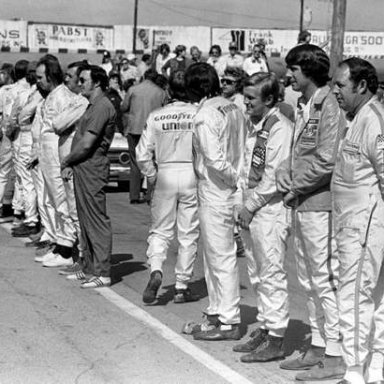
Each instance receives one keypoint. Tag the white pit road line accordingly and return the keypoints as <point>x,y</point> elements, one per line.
<point>163,331</point>
<point>172,337</point>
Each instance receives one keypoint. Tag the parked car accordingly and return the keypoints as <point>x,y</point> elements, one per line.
<point>120,161</point>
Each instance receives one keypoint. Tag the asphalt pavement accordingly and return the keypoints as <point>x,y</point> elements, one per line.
<point>52,331</point>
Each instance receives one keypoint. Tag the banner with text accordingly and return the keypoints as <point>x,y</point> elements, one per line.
<point>279,42</point>
<point>149,38</point>
<point>13,34</point>
<point>71,37</point>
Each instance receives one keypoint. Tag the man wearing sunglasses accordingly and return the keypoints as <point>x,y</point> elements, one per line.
<point>231,86</point>
<point>89,164</point>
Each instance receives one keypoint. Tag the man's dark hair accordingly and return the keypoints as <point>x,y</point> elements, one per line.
<point>150,74</point>
<point>361,69</point>
<point>98,75</point>
<point>217,47</point>
<point>164,46</point>
<point>201,80</point>
<point>177,86</point>
<point>9,69</point>
<point>237,73</point>
<point>312,60</point>
<point>21,69</point>
<point>146,57</point>
<point>179,49</point>
<point>53,70</point>
<point>268,83</point>
<point>161,81</point>
<point>80,65</point>
<point>302,38</point>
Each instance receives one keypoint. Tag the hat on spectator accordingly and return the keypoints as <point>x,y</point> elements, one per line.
<point>131,56</point>
<point>232,45</point>
<point>107,54</point>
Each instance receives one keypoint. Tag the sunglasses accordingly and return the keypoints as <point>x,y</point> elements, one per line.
<point>228,82</point>
<point>82,80</point>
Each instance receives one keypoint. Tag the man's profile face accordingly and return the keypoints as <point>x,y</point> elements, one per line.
<point>71,80</point>
<point>344,89</point>
<point>41,79</point>
<point>255,105</point>
<point>299,81</point>
<point>86,84</point>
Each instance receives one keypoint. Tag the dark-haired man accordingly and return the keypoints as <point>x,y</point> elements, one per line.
<point>178,63</point>
<point>263,217</point>
<point>164,155</point>
<point>138,103</point>
<point>305,181</point>
<point>90,166</point>
<point>57,99</point>
<point>358,198</point>
<point>218,142</point>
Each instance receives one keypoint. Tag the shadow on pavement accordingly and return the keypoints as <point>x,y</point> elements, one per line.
<point>121,266</point>
<point>197,287</point>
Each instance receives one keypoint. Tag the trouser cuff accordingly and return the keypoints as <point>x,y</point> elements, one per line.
<point>317,340</point>
<point>333,348</point>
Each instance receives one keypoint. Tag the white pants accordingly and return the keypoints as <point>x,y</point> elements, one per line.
<point>45,208</point>
<point>50,167</point>
<point>317,271</point>
<point>220,261</point>
<point>361,251</point>
<point>22,148</point>
<point>65,144</point>
<point>7,179</point>
<point>267,241</point>
<point>174,203</point>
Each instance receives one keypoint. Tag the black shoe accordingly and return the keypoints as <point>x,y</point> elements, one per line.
<point>6,211</point>
<point>138,201</point>
<point>25,230</point>
<point>184,296</point>
<point>257,337</point>
<point>220,333</point>
<point>271,349</point>
<point>150,292</point>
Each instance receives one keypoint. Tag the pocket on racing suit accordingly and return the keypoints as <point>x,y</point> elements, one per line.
<point>354,213</point>
<point>350,158</point>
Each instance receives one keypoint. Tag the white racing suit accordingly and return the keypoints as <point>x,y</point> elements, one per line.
<point>267,146</point>
<point>64,126</point>
<point>55,103</point>
<point>165,152</point>
<point>22,150</point>
<point>219,140</point>
<point>7,98</point>
<point>30,121</point>
<point>358,209</point>
<point>312,161</point>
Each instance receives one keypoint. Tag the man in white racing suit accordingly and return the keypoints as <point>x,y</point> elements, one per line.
<point>218,143</point>
<point>164,156</point>
<point>358,209</point>
<point>263,216</point>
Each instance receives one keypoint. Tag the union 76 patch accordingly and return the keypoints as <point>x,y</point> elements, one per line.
<point>380,142</point>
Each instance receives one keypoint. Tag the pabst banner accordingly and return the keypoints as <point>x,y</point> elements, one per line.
<point>71,37</point>
<point>13,35</point>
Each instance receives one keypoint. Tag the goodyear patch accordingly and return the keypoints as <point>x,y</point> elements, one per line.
<point>380,142</point>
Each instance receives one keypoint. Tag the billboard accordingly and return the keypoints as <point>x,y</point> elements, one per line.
<point>13,35</point>
<point>69,36</point>
<point>149,38</point>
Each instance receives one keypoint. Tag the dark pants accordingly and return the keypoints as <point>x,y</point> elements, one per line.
<point>90,179</point>
<point>136,177</point>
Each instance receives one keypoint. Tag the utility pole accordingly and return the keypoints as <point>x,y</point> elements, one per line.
<point>135,26</point>
<point>301,15</point>
<point>338,28</point>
